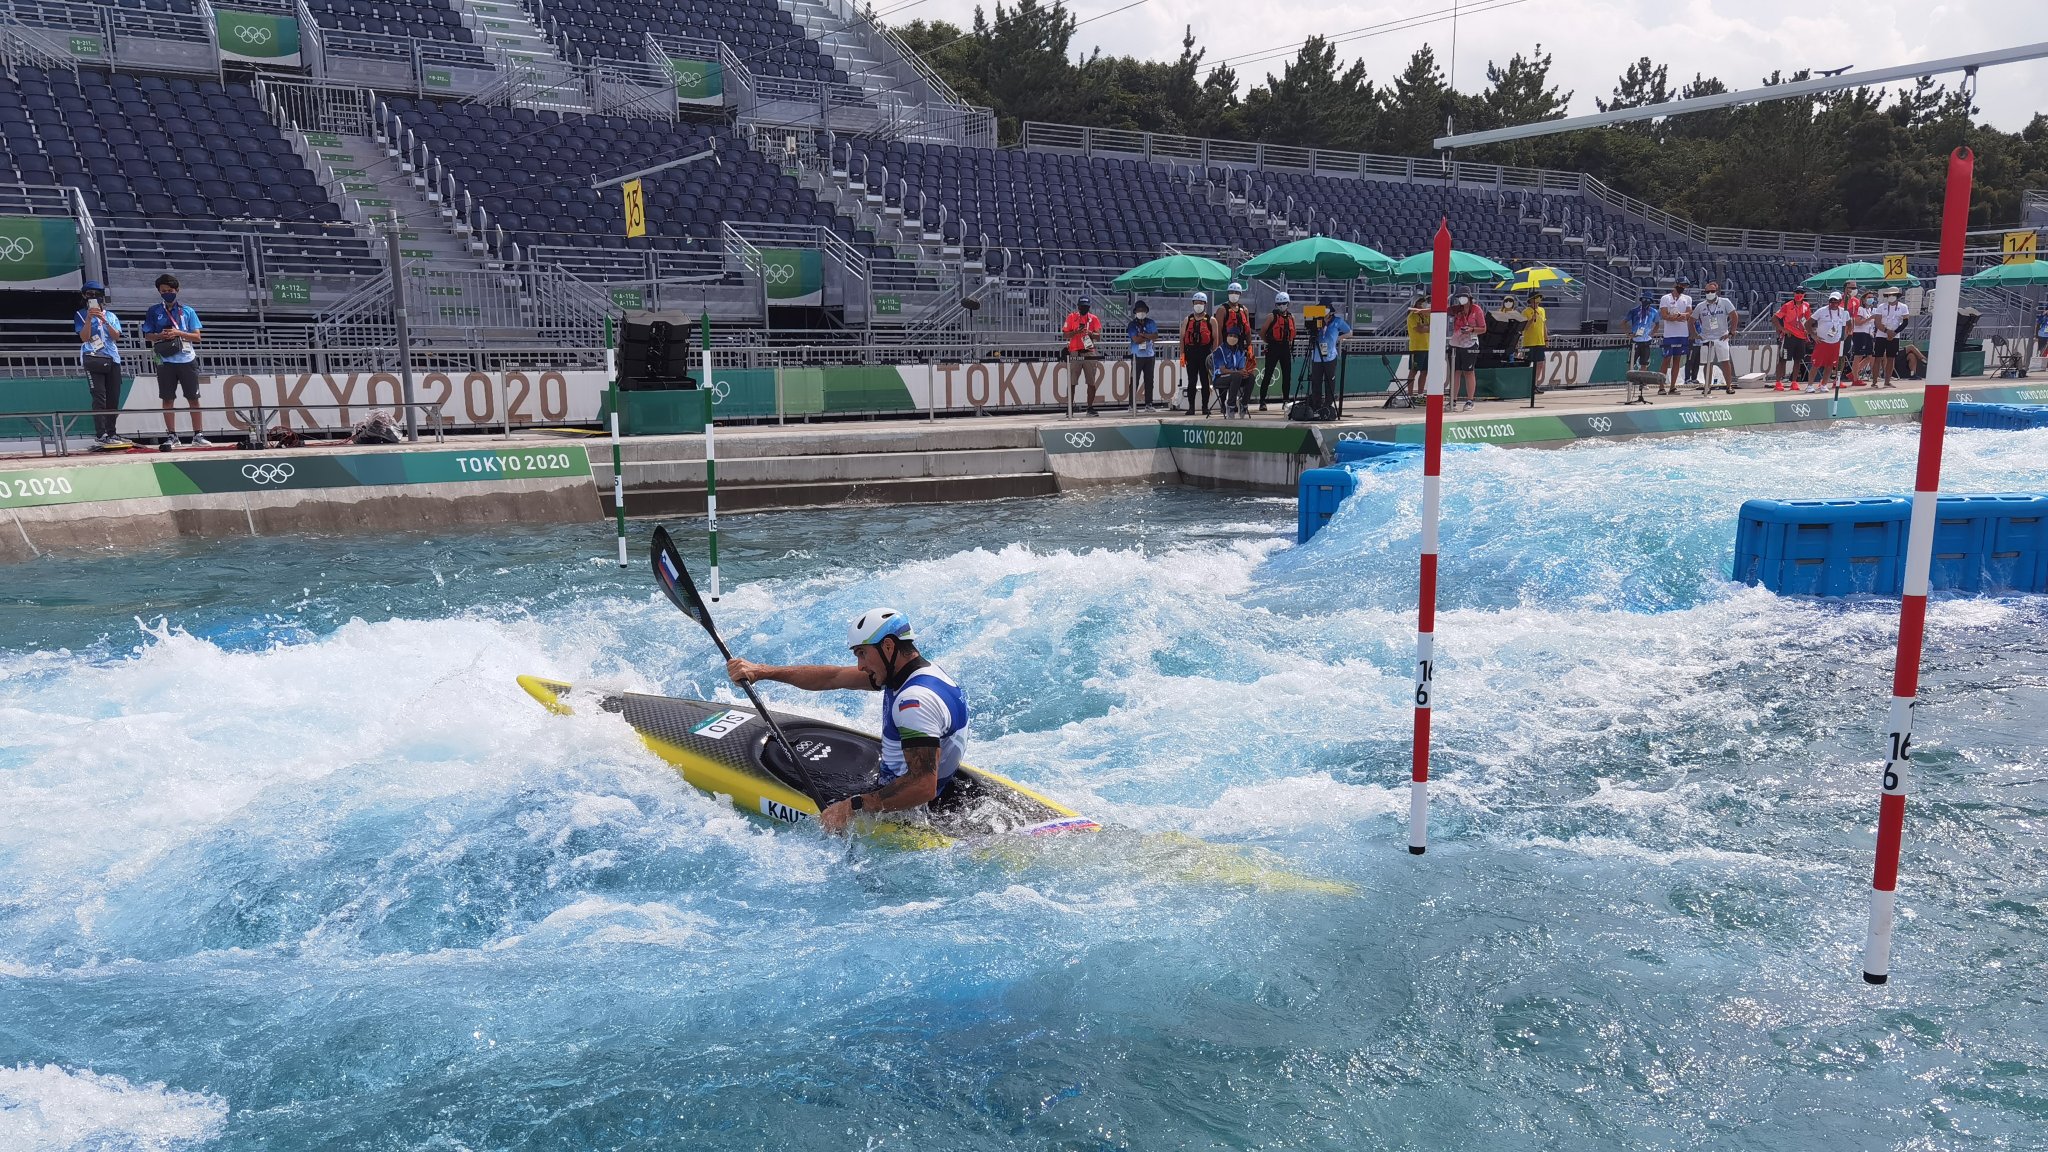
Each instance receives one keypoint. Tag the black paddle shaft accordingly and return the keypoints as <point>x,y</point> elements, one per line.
<point>674,579</point>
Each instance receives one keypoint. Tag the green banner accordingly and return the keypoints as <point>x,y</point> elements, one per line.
<point>86,45</point>
<point>39,252</point>
<point>628,298</point>
<point>698,81</point>
<point>888,305</point>
<point>794,276</point>
<point>78,484</point>
<point>436,78</point>
<point>1290,440</point>
<point>260,37</point>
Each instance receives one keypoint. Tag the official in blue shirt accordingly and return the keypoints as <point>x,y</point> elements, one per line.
<point>172,330</point>
<point>1330,330</point>
<point>99,353</point>
<point>1642,330</point>
<point>1143,332</point>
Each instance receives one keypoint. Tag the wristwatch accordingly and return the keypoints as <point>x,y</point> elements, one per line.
<point>857,803</point>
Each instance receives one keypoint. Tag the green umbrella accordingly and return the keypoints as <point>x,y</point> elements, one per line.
<point>1863,272</point>
<point>2010,275</point>
<point>1464,266</point>
<point>1318,257</point>
<point>1176,273</point>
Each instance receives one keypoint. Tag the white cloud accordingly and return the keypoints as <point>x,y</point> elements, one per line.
<point>1739,41</point>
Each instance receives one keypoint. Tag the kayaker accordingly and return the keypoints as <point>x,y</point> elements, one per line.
<point>924,712</point>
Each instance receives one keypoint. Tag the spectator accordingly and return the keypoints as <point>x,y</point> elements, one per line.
<point>1794,321</point>
<point>1535,338</point>
<point>2040,334</point>
<point>171,330</point>
<point>1082,330</point>
<point>1468,323</point>
<point>1143,332</point>
<point>1862,339</point>
<point>1323,357</point>
<point>1278,333</point>
<point>99,353</point>
<point>1890,325</point>
<point>1912,362</point>
<point>1418,348</point>
<point>1675,309</point>
<point>1830,325</point>
<point>1642,330</point>
<point>1197,341</point>
<point>1715,321</point>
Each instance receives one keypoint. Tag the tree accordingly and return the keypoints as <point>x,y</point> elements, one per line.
<point>1642,85</point>
<point>1312,104</point>
<point>1415,108</point>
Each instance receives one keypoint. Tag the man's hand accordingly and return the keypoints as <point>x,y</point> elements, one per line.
<point>744,671</point>
<point>836,816</point>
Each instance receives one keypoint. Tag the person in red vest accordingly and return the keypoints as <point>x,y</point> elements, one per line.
<point>1278,333</point>
<point>1197,341</point>
<point>1082,330</point>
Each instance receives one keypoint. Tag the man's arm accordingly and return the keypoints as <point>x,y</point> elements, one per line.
<point>918,785</point>
<point>809,677</point>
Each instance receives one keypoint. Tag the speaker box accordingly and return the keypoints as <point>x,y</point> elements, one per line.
<point>655,354</point>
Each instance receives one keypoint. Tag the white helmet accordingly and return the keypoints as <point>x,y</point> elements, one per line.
<point>877,624</point>
<point>1281,298</point>
<point>1235,287</point>
<point>1200,297</point>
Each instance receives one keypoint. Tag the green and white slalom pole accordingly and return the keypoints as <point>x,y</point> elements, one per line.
<point>611,371</point>
<point>710,456</point>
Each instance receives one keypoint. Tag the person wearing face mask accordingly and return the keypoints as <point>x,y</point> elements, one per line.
<point>1234,365</point>
<point>1197,341</point>
<point>1326,350</point>
<point>1278,334</point>
<point>1468,323</point>
<point>1143,333</point>
<point>1891,319</point>
<point>99,353</point>
<point>1082,329</point>
<point>1863,340</point>
<point>172,329</point>
<point>1714,321</point>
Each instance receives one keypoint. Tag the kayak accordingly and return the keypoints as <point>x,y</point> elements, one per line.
<point>729,752</point>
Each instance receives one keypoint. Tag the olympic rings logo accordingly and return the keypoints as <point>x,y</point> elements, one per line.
<point>1081,439</point>
<point>267,473</point>
<point>719,390</point>
<point>1802,411</point>
<point>689,78</point>
<point>777,273</point>
<point>1600,423</point>
<point>252,34</point>
<point>15,249</point>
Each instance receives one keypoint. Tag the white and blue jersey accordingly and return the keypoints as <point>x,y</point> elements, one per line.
<point>160,319</point>
<point>98,335</point>
<point>927,707</point>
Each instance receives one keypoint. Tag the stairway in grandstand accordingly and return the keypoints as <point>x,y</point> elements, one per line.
<point>433,237</point>
<point>872,58</point>
<point>534,73</point>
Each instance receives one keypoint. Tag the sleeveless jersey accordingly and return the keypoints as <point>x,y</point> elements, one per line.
<point>928,705</point>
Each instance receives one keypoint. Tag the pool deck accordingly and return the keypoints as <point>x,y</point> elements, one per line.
<point>98,500</point>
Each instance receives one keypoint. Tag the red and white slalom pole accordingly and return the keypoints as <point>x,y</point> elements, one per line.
<point>1432,503</point>
<point>1941,340</point>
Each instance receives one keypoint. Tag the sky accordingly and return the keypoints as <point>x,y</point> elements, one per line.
<point>1739,41</point>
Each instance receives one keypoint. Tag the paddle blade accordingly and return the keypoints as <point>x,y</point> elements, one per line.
<point>675,579</point>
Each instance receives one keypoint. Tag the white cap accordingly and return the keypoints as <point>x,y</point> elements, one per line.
<point>1834,295</point>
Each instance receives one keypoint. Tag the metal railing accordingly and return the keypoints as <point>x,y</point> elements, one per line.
<point>20,46</point>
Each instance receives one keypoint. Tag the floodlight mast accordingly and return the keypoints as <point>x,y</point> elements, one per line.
<point>1789,90</point>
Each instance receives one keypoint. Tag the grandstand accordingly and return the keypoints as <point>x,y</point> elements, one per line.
<point>265,180</point>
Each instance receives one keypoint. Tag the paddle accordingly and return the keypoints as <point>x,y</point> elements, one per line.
<point>682,592</point>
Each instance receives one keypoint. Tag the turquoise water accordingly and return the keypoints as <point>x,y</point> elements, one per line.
<point>287,861</point>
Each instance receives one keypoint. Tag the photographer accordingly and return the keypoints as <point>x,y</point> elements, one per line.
<point>99,353</point>
<point>1083,329</point>
<point>172,329</point>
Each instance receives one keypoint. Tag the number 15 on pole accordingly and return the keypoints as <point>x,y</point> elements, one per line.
<point>636,208</point>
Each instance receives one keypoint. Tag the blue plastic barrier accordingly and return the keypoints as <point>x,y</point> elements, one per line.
<point>2008,416</point>
<point>1320,492</point>
<point>1994,542</point>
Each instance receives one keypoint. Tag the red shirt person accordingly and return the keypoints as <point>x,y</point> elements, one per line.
<point>1083,329</point>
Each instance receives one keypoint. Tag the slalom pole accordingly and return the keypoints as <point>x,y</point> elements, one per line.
<point>710,457</point>
<point>611,371</point>
<point>1891,811</point>
<point>1432,502</point>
